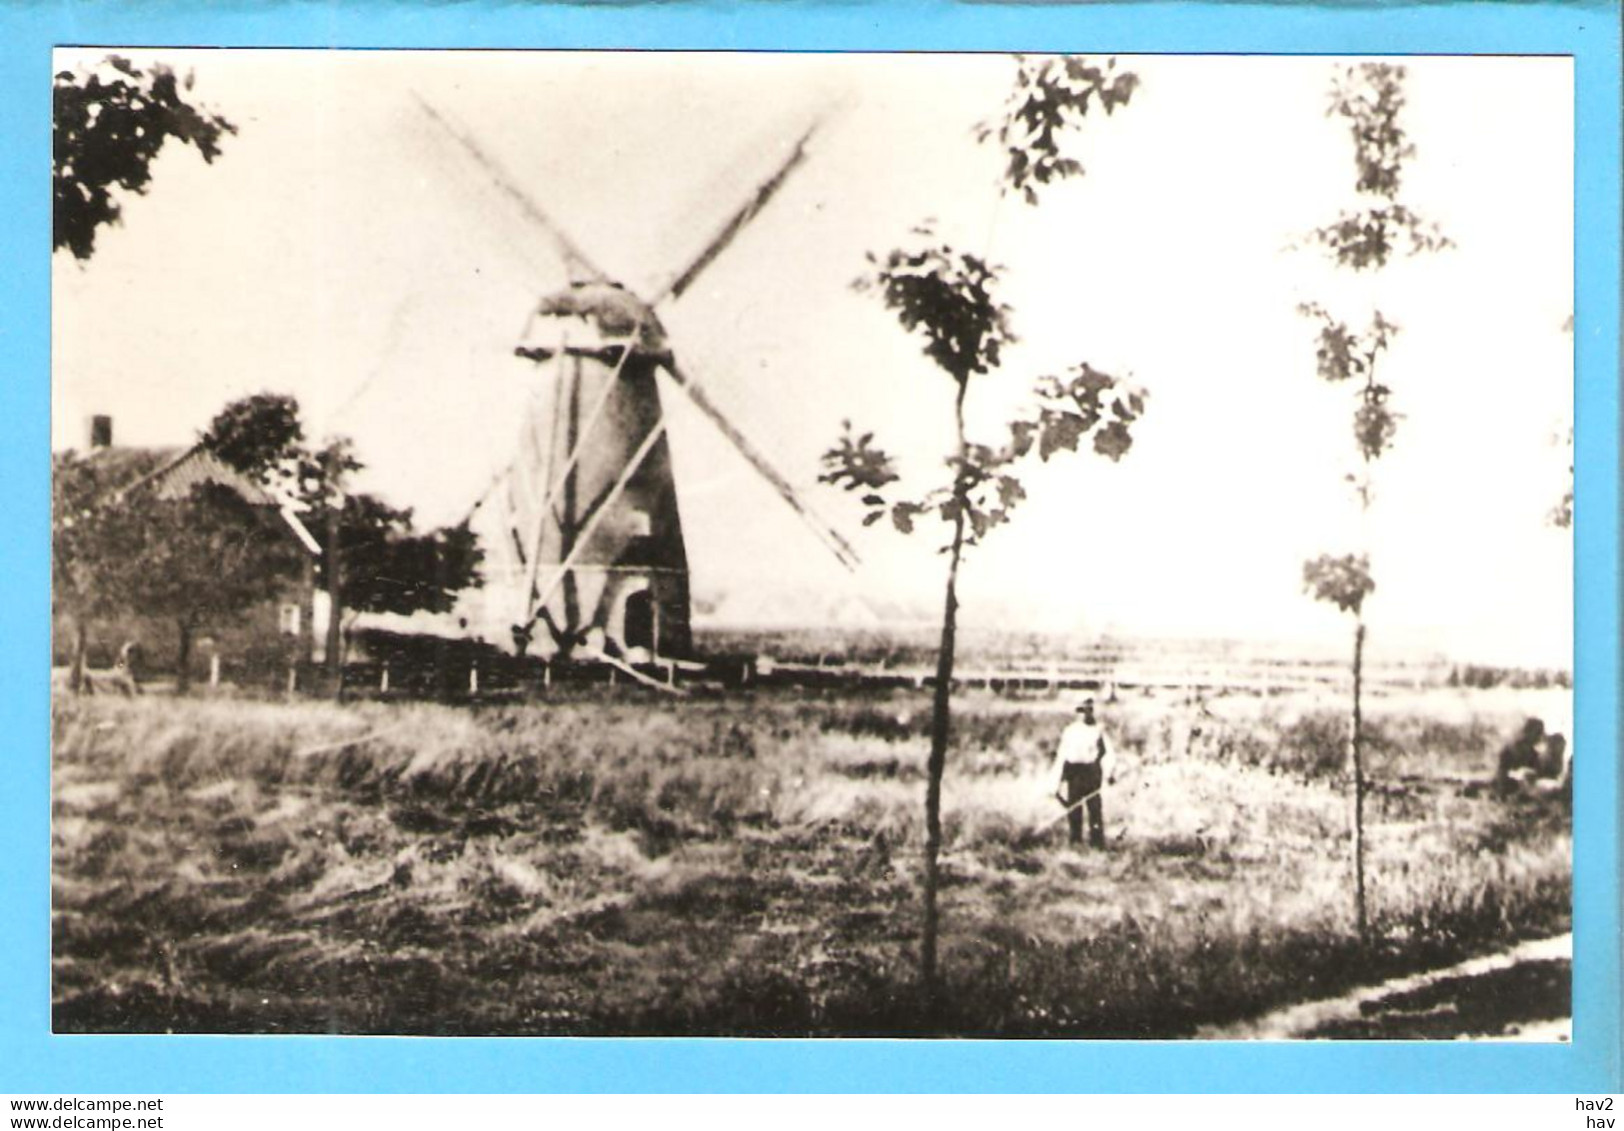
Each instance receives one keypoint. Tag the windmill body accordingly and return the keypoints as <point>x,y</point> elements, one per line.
<point>583,534</point>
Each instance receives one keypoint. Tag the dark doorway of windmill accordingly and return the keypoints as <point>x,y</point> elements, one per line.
<point>639,624</point>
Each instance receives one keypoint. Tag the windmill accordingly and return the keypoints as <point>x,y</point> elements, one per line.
<point>582,531</point>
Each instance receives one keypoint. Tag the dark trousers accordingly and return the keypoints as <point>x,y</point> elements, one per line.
<point>1081,781</point>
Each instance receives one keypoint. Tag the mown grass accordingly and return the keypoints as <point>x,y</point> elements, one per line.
<point>748,865</point>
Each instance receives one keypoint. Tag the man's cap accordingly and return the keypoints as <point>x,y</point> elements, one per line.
<point>1087,701</point>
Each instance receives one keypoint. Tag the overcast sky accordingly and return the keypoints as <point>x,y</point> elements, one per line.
<point>341,251</point>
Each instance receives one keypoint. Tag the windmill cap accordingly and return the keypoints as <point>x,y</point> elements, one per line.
<point>592,316</point>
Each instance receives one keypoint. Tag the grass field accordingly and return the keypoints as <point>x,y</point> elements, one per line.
<point>748,864</point>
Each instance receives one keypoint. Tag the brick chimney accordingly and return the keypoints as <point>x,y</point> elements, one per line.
<point>101,432</point>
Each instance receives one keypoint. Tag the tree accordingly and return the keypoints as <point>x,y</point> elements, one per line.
<point>261,436</point>
<point>390,569</point>
<point>95,551</point>
<point>375,561</point>
<point>205,559</point>
<point>199,559</point>
<point>947,297</point>
<point>1369,97</point>
<point>107,126</point>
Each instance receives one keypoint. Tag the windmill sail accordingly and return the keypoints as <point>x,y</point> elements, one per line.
<point>827,534</point>
<point>576,262</point>
<point>735,223</point>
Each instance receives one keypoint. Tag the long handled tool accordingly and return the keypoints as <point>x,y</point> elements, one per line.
<point>1074,806</point>
<point>1085,799</point>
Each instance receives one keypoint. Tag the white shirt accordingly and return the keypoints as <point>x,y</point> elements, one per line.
<point>1081,743</point>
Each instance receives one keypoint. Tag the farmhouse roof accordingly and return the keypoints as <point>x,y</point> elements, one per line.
<point>172,472</point>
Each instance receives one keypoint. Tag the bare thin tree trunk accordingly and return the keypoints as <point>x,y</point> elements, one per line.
<point>940,732</point>
<point>335,608</point>
<point>183,660</point>
<point>81,646</point>
<point>941,729</point>
<point>304,648</point>
<point>1361,918</point>
<point>1358,745</point>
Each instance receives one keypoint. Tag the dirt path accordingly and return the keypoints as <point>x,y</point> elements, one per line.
<point>1523,994</point>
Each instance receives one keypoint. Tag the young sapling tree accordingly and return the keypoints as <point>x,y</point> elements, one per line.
<point>947,297</point>
<point>1369,97</point>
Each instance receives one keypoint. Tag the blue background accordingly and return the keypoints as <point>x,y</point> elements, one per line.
<point>31,1060</point>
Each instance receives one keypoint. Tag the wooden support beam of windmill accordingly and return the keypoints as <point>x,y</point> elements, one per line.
<point>584,533</point>
<point>572,458</point>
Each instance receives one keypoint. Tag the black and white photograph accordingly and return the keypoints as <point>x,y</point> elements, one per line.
<point>714,544</point>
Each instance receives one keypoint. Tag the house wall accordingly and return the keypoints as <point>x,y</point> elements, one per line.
<point>253,647</point>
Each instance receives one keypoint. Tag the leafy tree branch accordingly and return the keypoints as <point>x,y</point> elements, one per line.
<point>1369,98</point>
<point>1086,405</point>
<point>1561,515</point>
<point>1052,94</point>
<point>108,125</point>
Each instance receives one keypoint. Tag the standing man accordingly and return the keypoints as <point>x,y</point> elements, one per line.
<point>1079,774</point>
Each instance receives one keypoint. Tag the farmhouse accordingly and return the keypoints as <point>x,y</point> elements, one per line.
<point>257,646</point>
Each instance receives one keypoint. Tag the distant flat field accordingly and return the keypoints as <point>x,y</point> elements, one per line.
<point>749,864</point>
